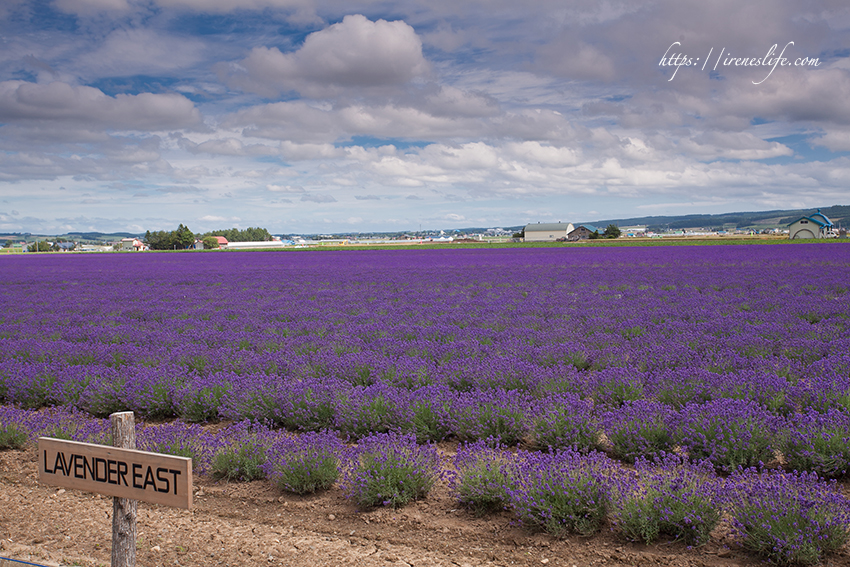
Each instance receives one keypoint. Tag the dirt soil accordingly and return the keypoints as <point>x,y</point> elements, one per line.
<point>252,524</point>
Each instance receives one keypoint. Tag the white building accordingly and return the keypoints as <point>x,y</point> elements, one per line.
<point>547,231</point>
<point>815,226</point>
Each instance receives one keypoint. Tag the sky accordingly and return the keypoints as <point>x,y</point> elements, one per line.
<point>310,116</point>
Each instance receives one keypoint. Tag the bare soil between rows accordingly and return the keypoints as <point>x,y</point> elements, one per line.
<point>252,524</point>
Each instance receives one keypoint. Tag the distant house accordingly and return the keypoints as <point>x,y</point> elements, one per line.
<point>547,231</point>
<point>814,226</point>
<point>132,244</point>
<point>582,232</point>
<point>222,242</point>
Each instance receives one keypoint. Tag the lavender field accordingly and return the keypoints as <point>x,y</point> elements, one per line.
<point>724,370</point>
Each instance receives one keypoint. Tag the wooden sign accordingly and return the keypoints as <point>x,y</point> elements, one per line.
<point>123,473</point>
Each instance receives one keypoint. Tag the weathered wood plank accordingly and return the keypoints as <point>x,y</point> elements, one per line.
<point>113,471</point>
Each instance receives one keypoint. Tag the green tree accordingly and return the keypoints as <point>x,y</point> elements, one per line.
<point>210,242</point>
<point>250,234</point>
<point>159,240</point>
<point>183,237</point>
<point>593,235</point>
<point>179,239</point>
<point>612,231</point>
<point>42,246</point>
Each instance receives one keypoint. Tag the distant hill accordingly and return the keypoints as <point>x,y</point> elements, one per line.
<point>838,214</point>
<point>100,235</point>
<point>73,236</point>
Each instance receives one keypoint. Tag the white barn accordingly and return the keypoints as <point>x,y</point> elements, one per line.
<point>547,231</point>
<point>815,226</point>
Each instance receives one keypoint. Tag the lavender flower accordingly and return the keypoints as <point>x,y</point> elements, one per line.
<point>788,518</point>
<point>390,470</point>
<point>561,493</point>
<point>305,463</point>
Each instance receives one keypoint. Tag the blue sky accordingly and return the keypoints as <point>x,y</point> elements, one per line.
<point>305,116</point>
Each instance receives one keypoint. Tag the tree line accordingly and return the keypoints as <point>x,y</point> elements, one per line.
<point>182,238</point>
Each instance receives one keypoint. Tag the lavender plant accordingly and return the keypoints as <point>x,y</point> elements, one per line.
<point>485,471</point>
<point>667,496</point>
<point>199,400</point>
<point>391,470</point>
<point>428,411</point>
<point>788,518</point>
<point>240,451</point>
<point>306,463</point>
<point>639,429</point>
<point>179,439</point>
<point>11,437</point>
<point>372,409</point>
<point>493,413</point>
<point>561,493</point>
<point>564,420</point>
<point>729,433</point>
<point>818,442</point>
<point>616,386</point>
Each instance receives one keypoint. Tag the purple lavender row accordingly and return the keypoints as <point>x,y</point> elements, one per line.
<point>789,518</point>
<point>728,432</point>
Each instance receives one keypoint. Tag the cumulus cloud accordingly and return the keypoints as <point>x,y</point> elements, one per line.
<point>545,155</point>
<point>22,101</point>
<point>293,151</point>
<point>355,53</point>
<point>733,145</point>
<point>834,140</point>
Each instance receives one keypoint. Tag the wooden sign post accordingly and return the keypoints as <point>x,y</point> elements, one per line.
<point>123,509</point>
<point>122,472</point>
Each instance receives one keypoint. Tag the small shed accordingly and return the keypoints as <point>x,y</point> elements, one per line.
<point>814,226</point>
<point>547,231</point>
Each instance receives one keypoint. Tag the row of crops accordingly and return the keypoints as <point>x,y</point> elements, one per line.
<point>714,365</point>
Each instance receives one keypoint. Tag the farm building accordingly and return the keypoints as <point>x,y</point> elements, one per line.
<point>547,231</point>
<point>814,226</point>
<point>582,232</point>
<point>132,244</point>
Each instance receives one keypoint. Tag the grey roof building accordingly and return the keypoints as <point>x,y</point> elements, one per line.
<point>547,231</point>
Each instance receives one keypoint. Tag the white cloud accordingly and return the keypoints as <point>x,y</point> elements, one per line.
<point>293,151</point>
<point>733,145</point>
<point>836,140</point>
<point>21,101</point>
<point>548,156</point>
<point>353,54</point>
